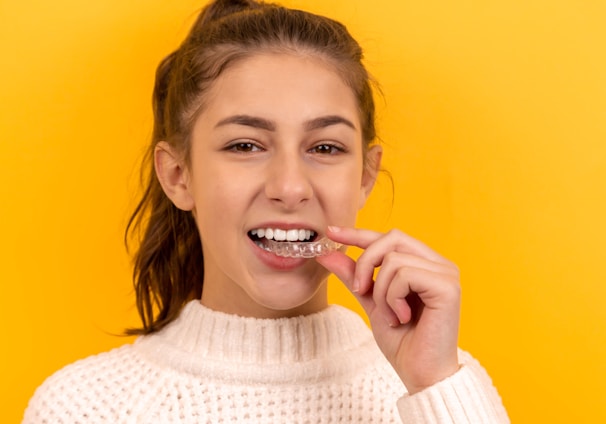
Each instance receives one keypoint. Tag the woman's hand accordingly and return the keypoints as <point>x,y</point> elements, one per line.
<point>412,304</point>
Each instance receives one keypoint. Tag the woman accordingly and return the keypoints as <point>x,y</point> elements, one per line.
<point>264,135</point>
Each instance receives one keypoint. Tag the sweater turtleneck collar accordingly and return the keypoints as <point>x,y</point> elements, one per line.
<point>206,342</point>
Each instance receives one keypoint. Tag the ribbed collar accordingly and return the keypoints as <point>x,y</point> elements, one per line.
<point>214,344</point>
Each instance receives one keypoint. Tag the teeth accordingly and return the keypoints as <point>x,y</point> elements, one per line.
<point>278,234</point>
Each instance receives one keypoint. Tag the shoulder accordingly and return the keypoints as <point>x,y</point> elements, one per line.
<point>87,388</point>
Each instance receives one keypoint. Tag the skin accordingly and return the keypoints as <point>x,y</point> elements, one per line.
<point>413,304</point>
<point>278,144</point>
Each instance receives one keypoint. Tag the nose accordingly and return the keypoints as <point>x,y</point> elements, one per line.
<point>288,182</point>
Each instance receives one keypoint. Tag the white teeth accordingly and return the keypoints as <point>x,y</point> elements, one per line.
<point>279,235</point>
<point>283,235</point>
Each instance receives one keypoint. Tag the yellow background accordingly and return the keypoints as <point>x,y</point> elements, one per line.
<point>494,125</point>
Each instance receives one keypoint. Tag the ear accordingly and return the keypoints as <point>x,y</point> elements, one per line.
<point>372,164</point>
<point>173,176</point>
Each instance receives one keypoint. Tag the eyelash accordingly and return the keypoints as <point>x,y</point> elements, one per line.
<point>334,148</point>
<point>243,147</point>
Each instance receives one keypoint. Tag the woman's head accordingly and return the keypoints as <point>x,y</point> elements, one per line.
<point>227,32</point>
<point>168,265</point>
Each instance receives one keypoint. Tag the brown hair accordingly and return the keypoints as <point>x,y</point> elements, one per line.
<point>168,265</point>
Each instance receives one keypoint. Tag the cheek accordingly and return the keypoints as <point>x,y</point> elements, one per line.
<point>343,196</point>
<point>218,196</point>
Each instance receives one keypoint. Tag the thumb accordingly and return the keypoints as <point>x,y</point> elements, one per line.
<point>344,268</point>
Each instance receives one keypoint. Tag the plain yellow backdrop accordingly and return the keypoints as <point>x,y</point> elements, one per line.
<point>494,124</point>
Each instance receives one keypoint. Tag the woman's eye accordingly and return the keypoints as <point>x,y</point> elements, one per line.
<point>244,147</point>
<point>327,149</point>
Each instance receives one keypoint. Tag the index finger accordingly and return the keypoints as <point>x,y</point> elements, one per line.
<point>394,240</point>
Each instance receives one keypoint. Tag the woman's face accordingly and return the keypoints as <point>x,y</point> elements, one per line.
<point>278,146</point>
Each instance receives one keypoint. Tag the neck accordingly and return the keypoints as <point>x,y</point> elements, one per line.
<point>244,305</point>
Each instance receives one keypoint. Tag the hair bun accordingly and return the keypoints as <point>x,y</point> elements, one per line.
<point>220,8</point>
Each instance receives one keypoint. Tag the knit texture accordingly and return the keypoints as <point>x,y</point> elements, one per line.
<point>210,367</point>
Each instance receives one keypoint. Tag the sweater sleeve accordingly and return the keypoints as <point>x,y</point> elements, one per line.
<point>467,397</point>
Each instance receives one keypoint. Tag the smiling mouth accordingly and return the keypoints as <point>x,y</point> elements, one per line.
<point>292,243</point>
<point>262,235</point>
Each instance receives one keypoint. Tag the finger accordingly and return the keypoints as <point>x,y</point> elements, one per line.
<point>396,239</point>
<point>353,236</point>
<point>344,268</point>
<point>399,299</point>
<point>392,316</point>
<point>402,274</point>
<point>377,245</point>
<point>435,291</point>
<point>396,260</point>
<point>362,279</point>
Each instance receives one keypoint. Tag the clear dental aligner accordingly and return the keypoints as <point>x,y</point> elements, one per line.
<point>304,249</point>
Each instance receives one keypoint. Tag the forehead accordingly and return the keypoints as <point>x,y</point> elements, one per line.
<point>285,88</point>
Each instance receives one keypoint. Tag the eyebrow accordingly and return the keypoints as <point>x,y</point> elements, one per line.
<point>247,121</point>
<point>327,121</point>
<point>265,124</point>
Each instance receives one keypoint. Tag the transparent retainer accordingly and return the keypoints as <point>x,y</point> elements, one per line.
<point>294,249</point>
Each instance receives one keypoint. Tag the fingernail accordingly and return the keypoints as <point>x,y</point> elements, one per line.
<point>356,285</point>
<point>393,322</point>
<point>334,229</point>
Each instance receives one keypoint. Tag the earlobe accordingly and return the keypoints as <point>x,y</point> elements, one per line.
<point>173,176</point>
<point>372,165</point>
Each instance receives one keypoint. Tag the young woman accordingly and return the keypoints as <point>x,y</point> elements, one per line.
<point>263,149</point>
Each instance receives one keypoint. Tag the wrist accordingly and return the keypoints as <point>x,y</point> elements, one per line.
<point>416,385</point>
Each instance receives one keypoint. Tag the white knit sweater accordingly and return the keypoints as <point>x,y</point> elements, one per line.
<point>210,367</point>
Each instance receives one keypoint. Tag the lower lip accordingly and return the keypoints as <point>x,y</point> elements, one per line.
<point>277,262</point>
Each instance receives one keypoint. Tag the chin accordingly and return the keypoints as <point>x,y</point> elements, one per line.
<point>293,301</point>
